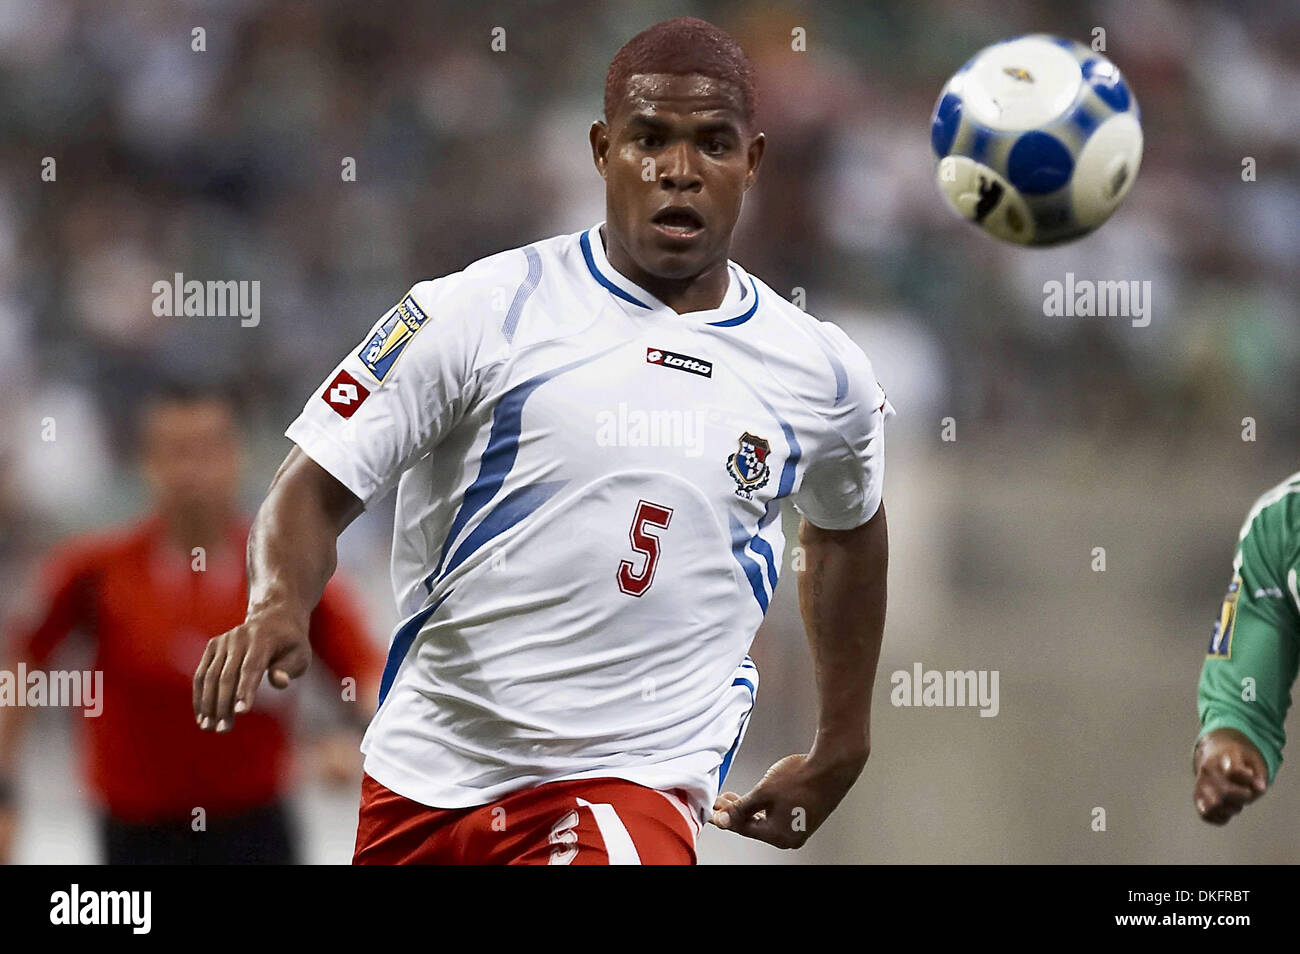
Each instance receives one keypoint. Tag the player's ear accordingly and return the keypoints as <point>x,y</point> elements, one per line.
<point>755,156</point>
<point>599,136</point>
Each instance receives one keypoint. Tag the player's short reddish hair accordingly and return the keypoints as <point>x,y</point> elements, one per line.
<point>682,45</point>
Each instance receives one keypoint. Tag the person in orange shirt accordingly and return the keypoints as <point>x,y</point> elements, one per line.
<point>150,596</point>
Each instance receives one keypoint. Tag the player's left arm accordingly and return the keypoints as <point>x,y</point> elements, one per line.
<point>842,600</point>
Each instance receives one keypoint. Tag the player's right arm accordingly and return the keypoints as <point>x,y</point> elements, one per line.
<point>388,403</point>
<point>1245,686</point>
<point>292,553</point>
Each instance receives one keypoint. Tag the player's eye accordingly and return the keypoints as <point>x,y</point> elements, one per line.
<point>649,141</point>
<point>716,147</point>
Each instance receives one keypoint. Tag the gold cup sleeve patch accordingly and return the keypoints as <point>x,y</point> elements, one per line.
<point>1221,634</point>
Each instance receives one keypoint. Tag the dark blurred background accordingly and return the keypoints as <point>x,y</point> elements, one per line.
<point>1072,433</point>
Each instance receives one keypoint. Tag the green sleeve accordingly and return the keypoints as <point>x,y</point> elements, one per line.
<point>1248,672</point>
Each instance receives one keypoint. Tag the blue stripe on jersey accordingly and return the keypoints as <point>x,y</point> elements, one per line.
<point>401,644</point>
<point>764,549</point>
<point>757,543</point>
<point>497,460</point>
<point>499,455</point>
<point>517,505</point>
<point>526,288</point>
<point>595,273</point>
<point>739,539</point>
<point>739,319</point>
<point>731,754</point>
<point>793,454</point>
<point>786,483</point>
<point>791,459</point>
<point>753,694</point>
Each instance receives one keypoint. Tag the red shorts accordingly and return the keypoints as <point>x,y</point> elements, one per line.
<point>590,821</point>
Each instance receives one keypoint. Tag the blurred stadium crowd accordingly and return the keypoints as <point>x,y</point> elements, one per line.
<point>226,164</point>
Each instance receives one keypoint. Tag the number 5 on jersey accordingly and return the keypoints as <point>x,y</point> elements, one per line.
<point>646,543</point>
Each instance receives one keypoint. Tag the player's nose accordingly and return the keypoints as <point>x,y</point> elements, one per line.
<point>678,170</point>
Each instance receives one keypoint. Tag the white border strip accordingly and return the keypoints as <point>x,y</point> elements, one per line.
<point>618,843</point>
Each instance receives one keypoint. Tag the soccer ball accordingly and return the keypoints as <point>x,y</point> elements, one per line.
<point>1038,139</point>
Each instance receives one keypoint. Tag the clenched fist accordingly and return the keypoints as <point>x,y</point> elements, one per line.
<point>1230,774</point>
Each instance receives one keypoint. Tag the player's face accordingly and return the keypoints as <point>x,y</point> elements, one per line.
<point>677,160</point>
<point>192,457</point>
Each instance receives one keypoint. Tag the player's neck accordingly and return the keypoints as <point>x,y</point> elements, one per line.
<point>702,292</point>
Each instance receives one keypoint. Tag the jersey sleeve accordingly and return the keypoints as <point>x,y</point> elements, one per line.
<point>408,382</point>
<point>842,485</point>
<point>1253,655</point>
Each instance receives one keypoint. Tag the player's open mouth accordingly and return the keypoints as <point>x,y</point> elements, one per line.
<point>678,221</point>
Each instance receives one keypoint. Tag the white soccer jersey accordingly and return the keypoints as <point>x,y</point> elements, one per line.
<point>588,517</point>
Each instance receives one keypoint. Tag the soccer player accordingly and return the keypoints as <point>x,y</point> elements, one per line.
<point>591,437</point>
<point>149,596</point>
<point>1245,686</point>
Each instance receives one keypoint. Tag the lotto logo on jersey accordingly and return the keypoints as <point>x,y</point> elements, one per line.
<point>681,362</point>
<point>1221,635</point>
<point>391,338</point>
<point>748,466</point>
<point>345,394</point>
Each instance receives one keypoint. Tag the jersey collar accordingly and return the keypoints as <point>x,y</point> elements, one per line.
<point>738,305</point>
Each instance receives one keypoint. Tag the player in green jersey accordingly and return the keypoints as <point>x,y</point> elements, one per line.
<point>1245,686</point>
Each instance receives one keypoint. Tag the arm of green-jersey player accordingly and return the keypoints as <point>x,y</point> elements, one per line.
<point>1245,686</point>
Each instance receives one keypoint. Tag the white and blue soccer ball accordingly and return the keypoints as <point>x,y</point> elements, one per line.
<point>1038,139</point>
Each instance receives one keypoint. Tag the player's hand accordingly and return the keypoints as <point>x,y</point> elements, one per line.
<point>234,662</point>
<point>790,802</point>
<point>1230,774</point>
